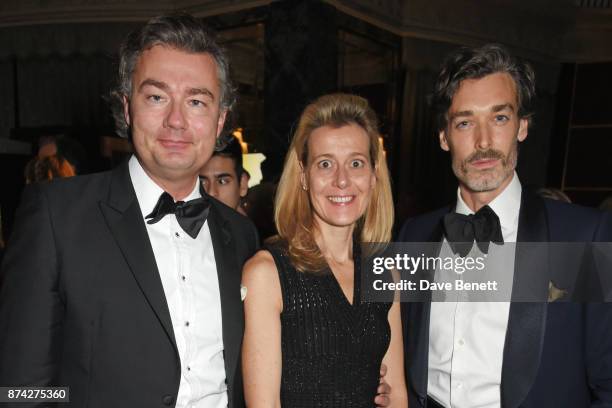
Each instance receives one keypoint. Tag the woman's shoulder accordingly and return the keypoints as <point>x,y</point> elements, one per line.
<point>274,263</point>
<point>260,280</point>
<point>260,263</point>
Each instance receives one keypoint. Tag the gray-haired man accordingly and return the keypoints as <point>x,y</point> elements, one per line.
<point>125,285</point>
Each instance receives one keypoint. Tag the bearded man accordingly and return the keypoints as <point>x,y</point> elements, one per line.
<point>505,353</point>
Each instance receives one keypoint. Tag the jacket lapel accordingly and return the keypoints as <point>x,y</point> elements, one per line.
<point>417,347</point>
<point>125,221</point>
<point>228,271</point>
<point>527,320</point>
<point>417,315</point>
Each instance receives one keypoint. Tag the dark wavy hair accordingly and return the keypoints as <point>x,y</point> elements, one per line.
<point>232,150</point>
<point>474,63</point>
<point>182,32</point>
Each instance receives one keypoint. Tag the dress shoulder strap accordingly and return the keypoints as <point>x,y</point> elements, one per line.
<point>286,271</point>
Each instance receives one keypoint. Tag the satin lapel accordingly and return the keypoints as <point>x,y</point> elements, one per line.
<point>229,273</point>
<point>417,346</point>
<point>527,320</point>
<point>125,221</point>
<point>416,315</point>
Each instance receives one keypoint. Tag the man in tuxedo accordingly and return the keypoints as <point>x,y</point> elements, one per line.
<point>125,285</point>
<point>502,354</point>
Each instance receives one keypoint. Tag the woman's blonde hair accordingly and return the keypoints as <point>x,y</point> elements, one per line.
<point>293,214</point>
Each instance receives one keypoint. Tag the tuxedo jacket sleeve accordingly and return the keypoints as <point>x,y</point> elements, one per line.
<point>590,322</point>
<point>82,304</point>
<point>31,304</point>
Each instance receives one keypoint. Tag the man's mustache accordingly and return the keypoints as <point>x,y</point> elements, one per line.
<point>485,155</point>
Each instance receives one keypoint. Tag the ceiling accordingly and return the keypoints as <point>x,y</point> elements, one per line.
<point>564,30</point>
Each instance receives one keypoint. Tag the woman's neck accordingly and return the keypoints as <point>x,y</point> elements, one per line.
<point>336,243</point>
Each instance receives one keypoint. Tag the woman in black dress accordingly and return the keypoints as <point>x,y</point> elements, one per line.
<point>310,340</point>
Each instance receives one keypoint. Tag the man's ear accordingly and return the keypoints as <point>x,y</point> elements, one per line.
<point>126,109</point>
<point>221,121</point>
<point>244,184</point>
<point>443,141</point>
<point>523,129</point>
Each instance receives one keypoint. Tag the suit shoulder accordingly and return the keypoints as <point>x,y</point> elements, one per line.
<point>420,227</point>
<point>62,194</point>
<point>575,220</point>
<point>77,185</point>
<point>572,213</point>
<point>239,223</point>
<point>562,209</point>
<point>230,214</point>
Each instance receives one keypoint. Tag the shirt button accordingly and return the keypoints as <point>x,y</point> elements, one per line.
<point>461,342</point>
<point>183,278</point>
<point>187,324</point>
<point>176,234</point>
<point>459,385</point>
<point>188,368</point>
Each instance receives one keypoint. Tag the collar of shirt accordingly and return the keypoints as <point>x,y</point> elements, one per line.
<point>506,205</point>
<point>147,191</point>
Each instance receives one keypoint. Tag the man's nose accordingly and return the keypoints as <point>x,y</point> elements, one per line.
<point>212,189</point>
<point>483,136</point>
<point>175,119</point>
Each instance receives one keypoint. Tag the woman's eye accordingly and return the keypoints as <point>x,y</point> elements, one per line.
<point>325,164</point>
<point>356,164</point>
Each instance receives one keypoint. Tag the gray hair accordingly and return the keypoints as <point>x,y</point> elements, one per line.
<point>476,63</point>
<point>180,31</point>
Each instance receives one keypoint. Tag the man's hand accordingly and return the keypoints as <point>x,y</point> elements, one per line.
<point>384,390</point>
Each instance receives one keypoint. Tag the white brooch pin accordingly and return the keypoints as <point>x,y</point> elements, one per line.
<point>243,292</point>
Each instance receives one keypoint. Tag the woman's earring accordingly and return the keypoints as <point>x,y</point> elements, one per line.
<point>303,182</point>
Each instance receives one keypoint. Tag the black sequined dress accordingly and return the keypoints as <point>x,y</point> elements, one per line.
<point>331,350</point>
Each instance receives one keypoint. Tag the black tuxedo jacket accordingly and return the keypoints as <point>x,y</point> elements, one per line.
<point>556,355</point>
<point>81,300</point>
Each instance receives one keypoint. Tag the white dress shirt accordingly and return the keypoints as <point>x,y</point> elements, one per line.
<point>466,339</point>
<point>189,277</point>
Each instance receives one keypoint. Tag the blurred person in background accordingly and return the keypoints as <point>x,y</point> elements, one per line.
<point>55,158</point>
<point>48,168</point>
<point>66,148</point>
<point>224,178</point>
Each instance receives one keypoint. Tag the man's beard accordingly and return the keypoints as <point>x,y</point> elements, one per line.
<point>488,179</point>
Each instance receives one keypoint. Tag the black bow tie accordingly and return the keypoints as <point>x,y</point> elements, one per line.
<point>462,230</point>
<point>191,215</point>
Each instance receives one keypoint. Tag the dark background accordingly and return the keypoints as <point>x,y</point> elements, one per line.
<point>58,62</point>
